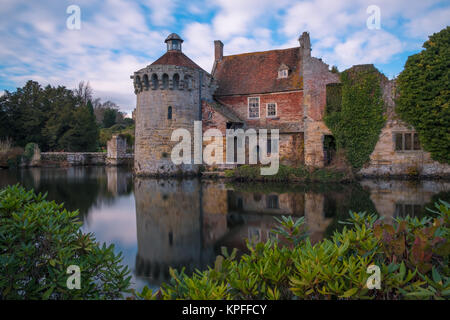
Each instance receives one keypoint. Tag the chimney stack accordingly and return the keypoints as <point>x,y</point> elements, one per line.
<point>305,44</point>
<point>218,50</point>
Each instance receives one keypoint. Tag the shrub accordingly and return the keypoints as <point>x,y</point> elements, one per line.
<point>39,240</point>
<point>412,254</point>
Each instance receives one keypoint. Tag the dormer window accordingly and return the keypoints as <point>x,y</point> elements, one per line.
<point>283,71</point>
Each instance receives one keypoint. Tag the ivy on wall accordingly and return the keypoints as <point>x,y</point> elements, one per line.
<point>424,95</point>
<point>354,112</point>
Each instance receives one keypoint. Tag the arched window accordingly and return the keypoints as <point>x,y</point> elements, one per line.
<point>138,83</point>
<point>176,80</point>
<point>146,83</point>
<point>169,113</point>
<point>155,81</point>
<point>165,80</point>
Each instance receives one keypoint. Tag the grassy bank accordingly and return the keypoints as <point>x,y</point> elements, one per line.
<point>287,173</point>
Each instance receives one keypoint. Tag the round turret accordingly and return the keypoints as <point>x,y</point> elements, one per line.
<point>169,94</point>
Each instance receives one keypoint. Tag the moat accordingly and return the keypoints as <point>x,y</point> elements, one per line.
<point>184,223</point>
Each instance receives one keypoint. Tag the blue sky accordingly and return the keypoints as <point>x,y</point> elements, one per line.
<point>118,37</point>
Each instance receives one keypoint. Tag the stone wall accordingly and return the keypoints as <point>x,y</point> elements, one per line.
<point>386,161</point>
<point>117,152</point>
<point>59,159</point>
<point>316,76</point>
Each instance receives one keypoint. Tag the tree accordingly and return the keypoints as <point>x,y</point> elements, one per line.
<point>83,133</point>
<point>84,92</point>
<point>55,118</point>
<point>424,95</point>
<point>109,118</point>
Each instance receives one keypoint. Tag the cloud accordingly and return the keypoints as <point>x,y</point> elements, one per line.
<point>118,37</point>
<point>366,47</point>
<point>426,25</point>
<point>161,11</point>
<point>113,42</point>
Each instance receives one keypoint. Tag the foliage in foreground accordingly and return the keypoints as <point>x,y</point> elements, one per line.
<point>412,254</point>
<point>424,94</point>
<point>39,240</point>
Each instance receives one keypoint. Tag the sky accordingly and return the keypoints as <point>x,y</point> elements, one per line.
<point>118,37</point>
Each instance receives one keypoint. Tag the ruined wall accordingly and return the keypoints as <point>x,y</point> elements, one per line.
<point>58,159</point>
<point>316,76</point>
<point>386,161</point>
<point>117,152</point>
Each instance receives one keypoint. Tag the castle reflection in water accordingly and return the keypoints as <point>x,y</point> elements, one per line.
<point>184,223</point>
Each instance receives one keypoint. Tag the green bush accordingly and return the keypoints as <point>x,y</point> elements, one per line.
<point>39,240</point>
<point>412,254</point>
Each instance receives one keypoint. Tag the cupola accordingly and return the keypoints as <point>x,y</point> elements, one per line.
<point>173,42</point>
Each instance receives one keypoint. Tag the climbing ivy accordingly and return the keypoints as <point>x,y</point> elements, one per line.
<point>354,112</point>
<point>424,95</point>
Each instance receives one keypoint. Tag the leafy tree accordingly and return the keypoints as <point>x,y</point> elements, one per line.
<point>83,133</point>
<point>52,117</point>
<point>109,118</point>
<point>424,95</point>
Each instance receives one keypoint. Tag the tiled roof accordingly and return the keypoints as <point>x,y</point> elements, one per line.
<point>176,58</point>
<point>257,72</point>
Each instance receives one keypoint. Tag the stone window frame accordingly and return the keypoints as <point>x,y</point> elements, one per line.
<point>248,107</point>
<point>169,113</point>
<point>413,135</point>
<point>267,110</point>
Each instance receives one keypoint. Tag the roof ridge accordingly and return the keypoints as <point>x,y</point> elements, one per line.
<point>259,52</point>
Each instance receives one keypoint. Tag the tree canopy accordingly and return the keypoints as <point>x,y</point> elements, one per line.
<point>55,118</point>
<point>424,95</point>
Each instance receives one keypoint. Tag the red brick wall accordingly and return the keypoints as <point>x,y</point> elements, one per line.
<point>289,107</point>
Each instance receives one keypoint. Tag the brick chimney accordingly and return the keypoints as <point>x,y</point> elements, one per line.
<point>305,44</point>
<point>218,50</point>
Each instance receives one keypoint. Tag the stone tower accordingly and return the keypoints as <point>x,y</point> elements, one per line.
<point>169,93</point>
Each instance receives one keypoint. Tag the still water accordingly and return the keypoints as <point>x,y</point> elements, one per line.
<point>176,223</point>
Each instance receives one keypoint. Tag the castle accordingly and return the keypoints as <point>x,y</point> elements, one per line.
<point>282,89</point>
